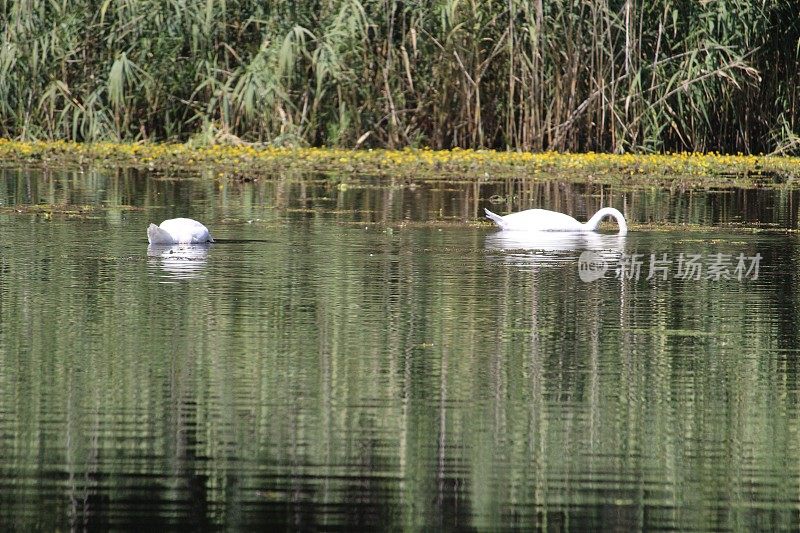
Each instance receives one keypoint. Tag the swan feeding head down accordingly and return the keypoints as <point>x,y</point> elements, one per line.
<point>544,220</point>
<point>178,231</point>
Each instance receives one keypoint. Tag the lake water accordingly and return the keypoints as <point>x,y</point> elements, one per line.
<point>365,355</point>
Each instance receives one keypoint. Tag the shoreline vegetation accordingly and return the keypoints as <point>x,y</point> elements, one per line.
<point>247,161</point>
<point>612,76</point>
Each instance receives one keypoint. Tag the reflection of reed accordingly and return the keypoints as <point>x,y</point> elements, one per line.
<point>403,378</point>
<point>396,200</point>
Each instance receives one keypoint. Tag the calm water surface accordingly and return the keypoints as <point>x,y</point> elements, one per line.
<point>364,355</point>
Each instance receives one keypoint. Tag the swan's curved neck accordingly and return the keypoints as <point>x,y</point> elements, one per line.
<point>594,222</point>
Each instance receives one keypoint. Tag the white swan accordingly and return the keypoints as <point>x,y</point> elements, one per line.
<point>178,231</point>
<point>544,220</point>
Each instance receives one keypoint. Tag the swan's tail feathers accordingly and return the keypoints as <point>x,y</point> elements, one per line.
<point>497,219</point>
<point>156,235</point>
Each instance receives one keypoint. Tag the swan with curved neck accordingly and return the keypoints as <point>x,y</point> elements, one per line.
<point>544,220</point>
<point>178,231</point>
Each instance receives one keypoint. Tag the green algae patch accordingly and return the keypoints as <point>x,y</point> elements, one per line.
<point>252,162</point>
<point>749,228</point>
<point>63,210</point>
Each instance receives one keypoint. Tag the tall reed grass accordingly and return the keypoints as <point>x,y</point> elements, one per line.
<point>605,75</point>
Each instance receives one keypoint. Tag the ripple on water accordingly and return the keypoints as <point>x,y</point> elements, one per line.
<point>310,373</point>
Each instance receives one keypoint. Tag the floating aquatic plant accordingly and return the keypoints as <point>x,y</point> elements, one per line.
<point>409,165</point>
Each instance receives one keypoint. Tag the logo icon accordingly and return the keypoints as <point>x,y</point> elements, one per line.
<point>591,266</point>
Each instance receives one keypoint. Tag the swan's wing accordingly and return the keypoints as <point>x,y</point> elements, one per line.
<point>186,230</point>
<point>541,220</point>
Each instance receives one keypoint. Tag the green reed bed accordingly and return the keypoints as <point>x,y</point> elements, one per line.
<point>606,76</point>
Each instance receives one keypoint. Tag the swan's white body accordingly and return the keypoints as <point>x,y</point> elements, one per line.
<point>544,220</point>
<point>178,231</point>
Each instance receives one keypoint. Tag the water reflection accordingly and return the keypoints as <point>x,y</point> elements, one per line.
<point>327,375</point>
<point>553,241</point>
<point>553,247</point>
<point>179,261</point>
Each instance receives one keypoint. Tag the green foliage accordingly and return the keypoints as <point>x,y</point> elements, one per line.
<point>611,75</point>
